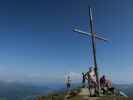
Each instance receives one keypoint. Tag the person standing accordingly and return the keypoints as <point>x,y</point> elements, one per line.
<point>68,82</point>
<point>92,83</point>
<point>83,79</point>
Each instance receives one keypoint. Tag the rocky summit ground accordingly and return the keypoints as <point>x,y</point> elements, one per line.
<point>85,98</point>
<point>83,94</point>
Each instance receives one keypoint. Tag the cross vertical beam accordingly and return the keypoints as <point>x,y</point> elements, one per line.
<point>94,50</point>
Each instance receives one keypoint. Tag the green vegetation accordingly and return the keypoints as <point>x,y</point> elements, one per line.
<point>59,96</point>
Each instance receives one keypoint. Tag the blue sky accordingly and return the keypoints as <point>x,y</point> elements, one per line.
<point>37,43</point>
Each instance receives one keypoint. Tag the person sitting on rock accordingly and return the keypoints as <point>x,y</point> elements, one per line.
<point>103,84</point>
<point>106,85</point>
<point>110,88</point>
<point>103,81</point>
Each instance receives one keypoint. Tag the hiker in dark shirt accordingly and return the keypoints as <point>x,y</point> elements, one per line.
<point>103,81</point>
<point>106,85</point>
<point>83,80</point>
<point>103,84</point>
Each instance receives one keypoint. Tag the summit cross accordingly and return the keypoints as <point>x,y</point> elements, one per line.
<point>93,36</point>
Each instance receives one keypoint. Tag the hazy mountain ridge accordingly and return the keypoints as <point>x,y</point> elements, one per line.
<point>126,88</point>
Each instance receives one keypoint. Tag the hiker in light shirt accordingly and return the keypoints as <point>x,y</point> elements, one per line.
<point>92,84</point>
<point>91,75</point>
<point>68,82</point>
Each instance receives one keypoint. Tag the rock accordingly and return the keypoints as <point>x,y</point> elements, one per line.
<point>84,92</point>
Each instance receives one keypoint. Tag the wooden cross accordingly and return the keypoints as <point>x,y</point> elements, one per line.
<point>93,36</point>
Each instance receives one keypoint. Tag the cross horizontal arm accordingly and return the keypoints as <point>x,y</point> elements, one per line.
<point>89,34</point>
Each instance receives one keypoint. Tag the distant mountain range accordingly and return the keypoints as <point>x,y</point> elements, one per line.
<point>19,91</point>
<point>126,88</point>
